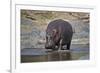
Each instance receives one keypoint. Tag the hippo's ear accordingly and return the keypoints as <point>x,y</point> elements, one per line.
<point>55,32</point>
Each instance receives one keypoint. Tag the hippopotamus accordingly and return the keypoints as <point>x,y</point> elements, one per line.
<point>58,33</point>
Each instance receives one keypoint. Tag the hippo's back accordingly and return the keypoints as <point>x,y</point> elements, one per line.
<point>63,25</point>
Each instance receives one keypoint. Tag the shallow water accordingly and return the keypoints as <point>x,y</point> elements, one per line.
<point>77,52</point>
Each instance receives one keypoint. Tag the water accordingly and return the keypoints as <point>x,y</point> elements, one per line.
<point>77,52</point>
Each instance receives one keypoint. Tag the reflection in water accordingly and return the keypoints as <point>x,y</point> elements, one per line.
<point>59,56</point>
<point>80,52</point>
<point>50,56</point>
<point>55,56</point>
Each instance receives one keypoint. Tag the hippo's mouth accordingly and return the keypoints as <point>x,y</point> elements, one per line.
<point>49,47</point>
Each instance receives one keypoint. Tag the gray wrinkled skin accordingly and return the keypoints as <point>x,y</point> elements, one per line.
<point>58,34</point>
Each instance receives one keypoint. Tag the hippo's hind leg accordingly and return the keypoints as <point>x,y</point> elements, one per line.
<point>68,45</point>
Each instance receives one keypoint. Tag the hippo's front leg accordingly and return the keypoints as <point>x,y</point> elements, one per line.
<point>60,45</point>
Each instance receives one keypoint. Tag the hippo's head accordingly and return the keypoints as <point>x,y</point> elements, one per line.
<point>52,38</point>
